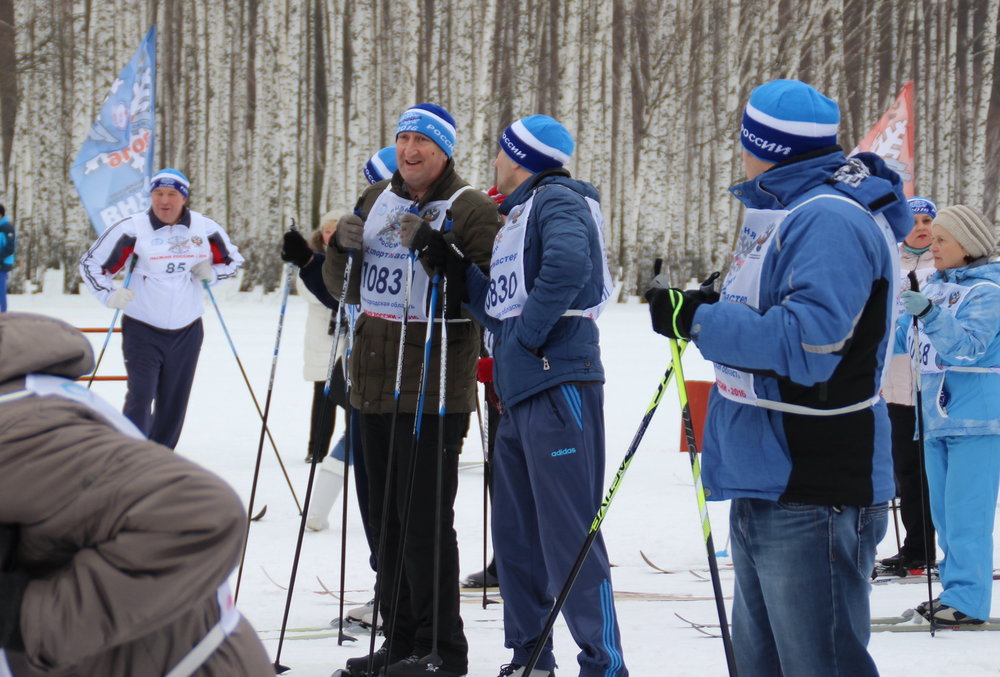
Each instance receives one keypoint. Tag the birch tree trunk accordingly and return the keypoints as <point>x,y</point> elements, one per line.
<point>272,108</point>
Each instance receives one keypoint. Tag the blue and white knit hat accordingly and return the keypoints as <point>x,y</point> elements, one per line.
<point>922,205</point>
<point>381,165</point>
<point>785,118</point>
<point>537,143</point>
<point>433,122</point>
<point>171,178</point>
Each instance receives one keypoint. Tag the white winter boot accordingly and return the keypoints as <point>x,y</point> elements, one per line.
<point>329,482</point>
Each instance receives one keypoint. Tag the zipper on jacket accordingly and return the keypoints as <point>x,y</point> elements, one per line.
<point>545,363</point>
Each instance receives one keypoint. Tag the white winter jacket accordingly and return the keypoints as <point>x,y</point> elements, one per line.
<point>318,340</point>
<point>898,385</point>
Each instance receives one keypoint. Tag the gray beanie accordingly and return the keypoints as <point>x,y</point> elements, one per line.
<point>969,228</point>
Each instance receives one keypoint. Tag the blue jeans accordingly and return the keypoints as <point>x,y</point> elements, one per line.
<point>802,585</point>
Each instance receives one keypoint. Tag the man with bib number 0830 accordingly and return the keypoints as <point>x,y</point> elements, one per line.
<point>797,434</point>
<point>426,188</point>
<point>171,252</point>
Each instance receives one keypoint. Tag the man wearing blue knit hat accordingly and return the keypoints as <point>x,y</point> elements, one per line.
<point>425,190</point>
<point>549,457</point>
<point>797,434</point>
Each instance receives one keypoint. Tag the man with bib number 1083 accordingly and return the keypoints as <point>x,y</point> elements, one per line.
<point>426,189</point>
<point>170,252</point>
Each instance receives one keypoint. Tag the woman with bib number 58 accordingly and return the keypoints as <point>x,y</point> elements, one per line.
<point>958,349</point>
<point>171,252</point>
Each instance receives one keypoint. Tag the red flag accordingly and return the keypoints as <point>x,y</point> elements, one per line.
<point>892,138</point>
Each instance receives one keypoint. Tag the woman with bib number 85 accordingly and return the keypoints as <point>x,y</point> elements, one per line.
<point>171,252</point>
<point>958,350</point>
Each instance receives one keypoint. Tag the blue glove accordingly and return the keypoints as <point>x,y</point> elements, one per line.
<point>916,304</point>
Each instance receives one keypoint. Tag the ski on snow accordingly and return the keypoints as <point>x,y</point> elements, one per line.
<point>909,621</point>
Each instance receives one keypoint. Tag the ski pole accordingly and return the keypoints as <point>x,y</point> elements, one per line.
<point>348,442</point>
<point>414,448</point>
<point>391,454</point>
<point>595,526</point>
<point>484,423</point>
<point>246,380</point>
<point>114,321</point>
<point>706,526</point>
<point>433,658</point>
<point>289,280</point>
<point>894,508</point>
<point>341,635</point>
<point>917,381</point>
<point>327,411</point>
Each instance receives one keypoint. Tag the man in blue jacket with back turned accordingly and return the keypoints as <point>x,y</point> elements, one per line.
<point>548,282</point>
<point>797,434</point>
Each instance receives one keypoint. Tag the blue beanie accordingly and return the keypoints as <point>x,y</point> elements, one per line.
<point>171,178</point>
<point>433,122</point>
<point>381,165</point>
<point>922,205</point>
<point>785,118</point>
<point>537,143</point>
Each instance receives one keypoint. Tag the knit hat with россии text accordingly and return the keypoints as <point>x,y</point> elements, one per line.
<point>786,118</point>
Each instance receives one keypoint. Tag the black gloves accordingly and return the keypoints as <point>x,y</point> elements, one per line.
<point>295,249</point>
<point>672,310</point>
<point>439,253</point>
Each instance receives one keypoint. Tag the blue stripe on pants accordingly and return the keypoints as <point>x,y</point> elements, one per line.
<point>548,483</point>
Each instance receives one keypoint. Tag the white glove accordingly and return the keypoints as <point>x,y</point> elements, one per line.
<point>203,272</point>
<point>120,298</point>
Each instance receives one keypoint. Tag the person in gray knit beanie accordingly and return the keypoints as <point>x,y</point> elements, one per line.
<point>970,228</point>
<point>954,335</point>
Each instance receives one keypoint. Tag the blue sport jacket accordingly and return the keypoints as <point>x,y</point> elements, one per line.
<point>819,340</point>
<point>563,270</point>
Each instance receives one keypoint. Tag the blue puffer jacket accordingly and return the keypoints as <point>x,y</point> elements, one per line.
<point>818,339</point>
<point>959,402</point>
<point>563,269</point>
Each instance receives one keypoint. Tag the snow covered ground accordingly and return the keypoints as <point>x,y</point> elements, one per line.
<point>654,511</point>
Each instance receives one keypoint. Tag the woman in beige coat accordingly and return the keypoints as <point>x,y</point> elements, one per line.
<point>115,552</point>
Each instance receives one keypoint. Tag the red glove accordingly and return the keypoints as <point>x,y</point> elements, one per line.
<point>494,194</point>
<point>484,371</point>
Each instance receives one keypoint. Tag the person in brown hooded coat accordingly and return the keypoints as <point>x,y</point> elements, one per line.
<point>114,552</point>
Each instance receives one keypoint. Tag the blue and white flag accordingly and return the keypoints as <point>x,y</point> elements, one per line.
<point>112,170</point>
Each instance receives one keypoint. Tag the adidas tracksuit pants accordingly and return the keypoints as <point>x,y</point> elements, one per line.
<point>547,487</point>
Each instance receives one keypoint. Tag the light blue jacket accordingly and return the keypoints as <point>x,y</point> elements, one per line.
<point>959,402</point>
<point>818,339</point>
<point>7,244</point>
